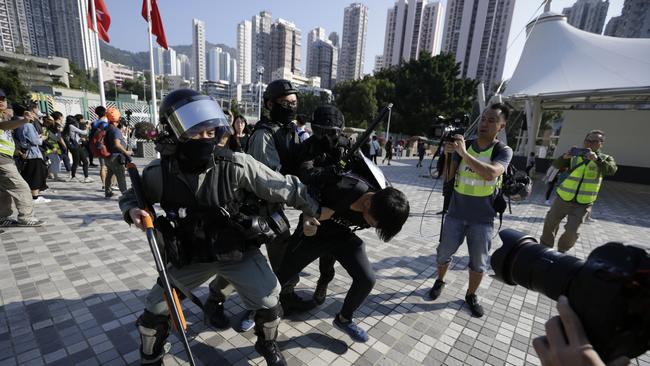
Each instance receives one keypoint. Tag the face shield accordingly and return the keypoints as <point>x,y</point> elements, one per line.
<point>194,115</point>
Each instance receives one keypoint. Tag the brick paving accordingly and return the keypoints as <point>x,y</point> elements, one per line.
<point>71,290</point>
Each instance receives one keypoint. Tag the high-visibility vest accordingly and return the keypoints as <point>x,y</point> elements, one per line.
<point>582,184</point>
<point>55,149</point>
<point>7,145</point>
<point>469,182</point>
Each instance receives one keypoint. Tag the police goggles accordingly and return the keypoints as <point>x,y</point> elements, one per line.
<point>326,130</point>
<point>195,115</point>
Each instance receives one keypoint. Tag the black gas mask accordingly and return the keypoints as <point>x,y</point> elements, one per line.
<point>282,113</point>
<point>194,155</point>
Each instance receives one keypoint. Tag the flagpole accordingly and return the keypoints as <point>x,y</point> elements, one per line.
<point>100,76</point>
<point>154,111</point>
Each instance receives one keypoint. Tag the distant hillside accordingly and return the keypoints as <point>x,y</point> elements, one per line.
<point>140,60</point>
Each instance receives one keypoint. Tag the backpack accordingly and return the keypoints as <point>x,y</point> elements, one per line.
<point>97,144</point>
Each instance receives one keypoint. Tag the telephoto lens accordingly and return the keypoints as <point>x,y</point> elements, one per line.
<point>610,291</point>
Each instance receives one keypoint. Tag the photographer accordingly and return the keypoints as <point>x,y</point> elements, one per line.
<point>477,166</point>
<point>578,191</point>
<point>116,144</point>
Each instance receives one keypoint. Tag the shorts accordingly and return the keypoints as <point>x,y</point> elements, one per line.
<point>479,242</point>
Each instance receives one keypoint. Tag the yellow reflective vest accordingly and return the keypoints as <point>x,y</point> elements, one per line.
<point>7,146</point>
<point>469,182</point>
<point>583,184</point>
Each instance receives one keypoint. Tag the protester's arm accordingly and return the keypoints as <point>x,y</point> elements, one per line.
<point>32,136</point>
<point>79,131</point>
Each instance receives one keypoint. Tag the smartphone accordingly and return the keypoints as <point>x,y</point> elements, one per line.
<point>578,151</point>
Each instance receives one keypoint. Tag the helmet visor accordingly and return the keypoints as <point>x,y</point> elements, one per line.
<point>198,115</point>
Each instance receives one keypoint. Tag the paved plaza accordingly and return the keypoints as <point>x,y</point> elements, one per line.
<point>71,291</point>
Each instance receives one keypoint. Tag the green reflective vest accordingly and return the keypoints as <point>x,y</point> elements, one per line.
<point>582,184</point>
<point>469,182</point>
<point>53,142</point>
<point>7,146</point>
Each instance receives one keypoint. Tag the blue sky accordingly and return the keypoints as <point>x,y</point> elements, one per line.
<point>128,29</point>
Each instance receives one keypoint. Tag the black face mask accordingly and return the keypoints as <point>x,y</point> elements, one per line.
<point>283,115</point>
<point>194,155</point>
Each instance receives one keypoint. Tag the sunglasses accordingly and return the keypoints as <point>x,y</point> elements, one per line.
<point>593,140</point>
<point>287,104</point>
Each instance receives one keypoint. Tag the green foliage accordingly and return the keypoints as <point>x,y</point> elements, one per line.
<point>11,83</point>
<point>419,89</point>
<point>308,102</point>
<point>80,80</point>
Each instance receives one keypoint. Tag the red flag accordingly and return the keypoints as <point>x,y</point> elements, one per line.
<point>156,22</point>
<point>103,19</point>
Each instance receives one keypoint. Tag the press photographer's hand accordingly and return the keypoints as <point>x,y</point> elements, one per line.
<point>459,145</point>
<point>566,343</point>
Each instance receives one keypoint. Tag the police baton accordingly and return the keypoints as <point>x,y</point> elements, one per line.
<point>365,136</point>
<point>173,303</point>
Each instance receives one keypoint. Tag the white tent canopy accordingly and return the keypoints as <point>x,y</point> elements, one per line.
<point>562,67</point>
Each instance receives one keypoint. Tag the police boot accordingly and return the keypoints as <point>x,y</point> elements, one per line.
<point>154,330</point>
<point>214,313</point>
<point>292,303</point>
<point>266,329</point>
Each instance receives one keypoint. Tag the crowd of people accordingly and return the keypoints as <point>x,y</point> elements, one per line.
<point>217,177</point>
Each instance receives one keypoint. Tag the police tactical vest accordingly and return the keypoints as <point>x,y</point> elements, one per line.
<point>583,184</point>
<point>7,146</point>
<point>197,209</point>
<point>283,138</point>
<point>469,182</point>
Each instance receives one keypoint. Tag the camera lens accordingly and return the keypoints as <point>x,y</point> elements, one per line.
<point>523,262</point>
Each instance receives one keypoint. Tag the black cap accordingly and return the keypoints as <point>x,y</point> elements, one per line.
<point>279,88</point>
<point>2,93</point>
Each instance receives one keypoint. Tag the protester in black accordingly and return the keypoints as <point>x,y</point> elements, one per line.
<point>358,204</point>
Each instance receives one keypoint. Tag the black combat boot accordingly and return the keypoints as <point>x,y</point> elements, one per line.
<point>214,313</point>
<point>266,329</point>
<point>294,304</point>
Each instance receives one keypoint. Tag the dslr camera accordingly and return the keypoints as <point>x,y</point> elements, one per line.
<point>610,291</point>
<point>445,128</point>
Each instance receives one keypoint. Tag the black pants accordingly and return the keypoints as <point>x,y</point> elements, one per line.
<point>89,153</point>
<point>339,243</point>
<point>79,156</point>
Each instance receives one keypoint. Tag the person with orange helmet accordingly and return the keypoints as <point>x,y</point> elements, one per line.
<point>116,145</point>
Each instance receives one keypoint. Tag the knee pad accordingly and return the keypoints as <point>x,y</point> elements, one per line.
<point>154,330</point>
<point>267,321</point>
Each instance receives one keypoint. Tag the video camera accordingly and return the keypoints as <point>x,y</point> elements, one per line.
<point>610,291</point>
<point>445,128</point>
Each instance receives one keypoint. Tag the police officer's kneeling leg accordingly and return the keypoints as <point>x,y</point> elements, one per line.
<point>154,330</point>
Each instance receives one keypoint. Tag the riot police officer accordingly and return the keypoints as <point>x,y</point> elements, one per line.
<point>207,230</point>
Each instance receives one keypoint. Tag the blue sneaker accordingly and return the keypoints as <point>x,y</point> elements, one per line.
<point>353,330</point>
<point>247,322</point>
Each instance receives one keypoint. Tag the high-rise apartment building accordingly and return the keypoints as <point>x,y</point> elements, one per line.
<point>285,50</point>
<point>316,34</point>
<point>41,27</point>
<point>261,44</point>
<point>634,21</point>
<point>476,32</point>
<point>588,15</point>
<point>6,36</point>
<point>379,63</point>
<point>334,38</point>
<point>353,42</point>
<point>412,26</point>
<point>322,62</point>
<point>169,62</point>
<point>184,66</point>
<point>73,38</point>
<point>198,53</point>
<point>244,51</point>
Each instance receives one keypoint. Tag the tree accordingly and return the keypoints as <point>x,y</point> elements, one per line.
<point>308,102</point>
<point>80,80</point>
<point>12,84</point>
<point>419,89</point>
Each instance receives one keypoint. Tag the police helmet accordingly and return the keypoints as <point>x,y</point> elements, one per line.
<point>278,88</point>
<point>327,120</point>
<point>186,112</point>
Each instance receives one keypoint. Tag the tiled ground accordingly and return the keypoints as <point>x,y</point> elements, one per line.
<point>70,291</point>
